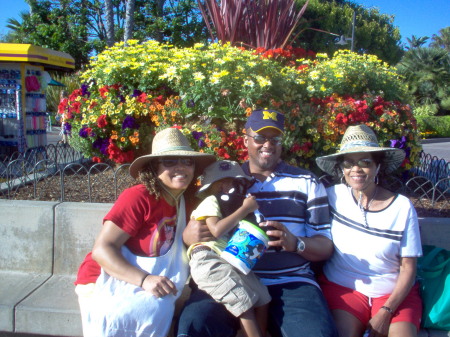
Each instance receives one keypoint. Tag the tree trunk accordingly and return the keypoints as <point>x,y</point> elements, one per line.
<point>129,20</point>
<point>109,22</point>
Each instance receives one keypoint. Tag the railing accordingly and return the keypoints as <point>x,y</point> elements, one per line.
<point>59,173</point>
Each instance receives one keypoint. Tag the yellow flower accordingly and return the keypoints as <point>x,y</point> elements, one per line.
<point>198,76</point>
<point>249,83</point>
<point>263,82</point>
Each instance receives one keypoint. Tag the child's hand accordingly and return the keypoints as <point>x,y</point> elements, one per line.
<point>250,203</point>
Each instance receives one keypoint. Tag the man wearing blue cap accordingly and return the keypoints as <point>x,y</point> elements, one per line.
<point>294,207</point>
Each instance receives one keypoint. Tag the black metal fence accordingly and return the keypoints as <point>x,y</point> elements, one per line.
<point>59,173</point>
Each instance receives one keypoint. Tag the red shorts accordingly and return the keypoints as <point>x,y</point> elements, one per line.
<point>363,307</point>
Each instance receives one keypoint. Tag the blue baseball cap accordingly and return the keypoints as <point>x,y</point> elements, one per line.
<point>263,119</point>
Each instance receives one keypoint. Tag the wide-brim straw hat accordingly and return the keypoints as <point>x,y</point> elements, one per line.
<point>361,139</point>
<point>171,142</point>
<point>219,170</point>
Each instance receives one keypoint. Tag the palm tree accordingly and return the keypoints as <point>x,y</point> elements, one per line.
<point>129,20</point>
<point>416,42</point>
<point>109,13</point>
<point>427,72</point>
<point>442,40</point>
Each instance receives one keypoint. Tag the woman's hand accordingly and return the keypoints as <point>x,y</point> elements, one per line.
<point>159,286</point>
<point>379,324</point>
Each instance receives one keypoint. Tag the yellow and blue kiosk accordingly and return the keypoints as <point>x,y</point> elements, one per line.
<point>23,79</point>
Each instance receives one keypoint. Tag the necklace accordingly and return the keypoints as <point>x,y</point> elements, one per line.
<point>369,203</point>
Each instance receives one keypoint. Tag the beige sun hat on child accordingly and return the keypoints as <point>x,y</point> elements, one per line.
<point>361,138</point>
<point>171,142</point>
<point>219,170</point>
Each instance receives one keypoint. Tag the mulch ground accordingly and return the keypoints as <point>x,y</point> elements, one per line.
<point>101,189</point>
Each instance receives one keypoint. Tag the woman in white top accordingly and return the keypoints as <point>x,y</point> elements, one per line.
<point>370,281</point>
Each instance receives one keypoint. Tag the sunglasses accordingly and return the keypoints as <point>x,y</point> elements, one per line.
<point>171,162</point>
<point>258,139</point>
<point>362,163</point>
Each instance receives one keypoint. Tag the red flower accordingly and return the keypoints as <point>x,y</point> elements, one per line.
<point>75,107</point>
<point>160,99</point>
<point>222,153</point>
<point>302,68</point>
<point>378,110</point>
<point>142,98</point>
<point>294,148</point>
<point>96,159</point>
<point>75,94</point>
<point>341,119</point>
<point>103,91</point>
<point>62,105</point>
<point>118,155</point>
<point>101,121</point>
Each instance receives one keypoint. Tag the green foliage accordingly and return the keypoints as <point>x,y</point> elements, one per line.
<point>442,39</point>
<point>353,74</point>
<point>374,32</point>
<point>427,73</point>
<point>55,26</point>
<point>416,42</point>
<point>434,126</point>
<point>425,110</point>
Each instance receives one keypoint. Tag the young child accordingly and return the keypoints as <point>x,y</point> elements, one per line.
<point>243,295</point>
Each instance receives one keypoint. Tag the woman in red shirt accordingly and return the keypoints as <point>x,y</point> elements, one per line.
<point>139,249</point>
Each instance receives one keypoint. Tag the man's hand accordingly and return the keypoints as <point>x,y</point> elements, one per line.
<point>280,236</point>
<point>196,231</point>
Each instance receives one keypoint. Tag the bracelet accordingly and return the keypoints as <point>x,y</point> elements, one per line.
<point>389,310</point>
<point>143,279</point>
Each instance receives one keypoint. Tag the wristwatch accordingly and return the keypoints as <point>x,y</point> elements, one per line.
<point>300,245</point>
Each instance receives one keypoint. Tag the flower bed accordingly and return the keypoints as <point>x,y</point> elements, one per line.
<point>208,91</point>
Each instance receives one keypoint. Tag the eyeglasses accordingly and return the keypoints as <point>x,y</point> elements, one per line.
<point>258,139</point>
<point>362,163</point>
<point>171,162</point>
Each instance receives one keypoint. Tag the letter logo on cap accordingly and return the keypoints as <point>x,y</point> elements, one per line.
<point>270,115</point>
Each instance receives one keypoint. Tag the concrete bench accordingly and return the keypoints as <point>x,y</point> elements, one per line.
<point>26,253</point>
<point>41,247</point>
<point>53,308</point>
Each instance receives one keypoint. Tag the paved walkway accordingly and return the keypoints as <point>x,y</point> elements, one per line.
<point>53,136</point>
<point>439,147</point>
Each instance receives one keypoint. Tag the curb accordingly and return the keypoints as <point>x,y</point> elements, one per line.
<point>434,140</point>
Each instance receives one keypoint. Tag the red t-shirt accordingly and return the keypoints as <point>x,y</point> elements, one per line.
<point>149,222</point>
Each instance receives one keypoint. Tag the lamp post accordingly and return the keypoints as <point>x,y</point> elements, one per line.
<point>344,40</point>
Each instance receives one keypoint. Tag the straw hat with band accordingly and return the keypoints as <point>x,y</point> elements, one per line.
<point>220,170</point>
<point>361,139</point>
<point>171,142</point>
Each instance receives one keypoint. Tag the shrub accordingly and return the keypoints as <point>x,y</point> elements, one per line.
<point>434,126</point>
<point>207,91</point>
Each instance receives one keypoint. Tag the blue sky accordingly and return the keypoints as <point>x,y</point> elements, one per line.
<point>413,17</point>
